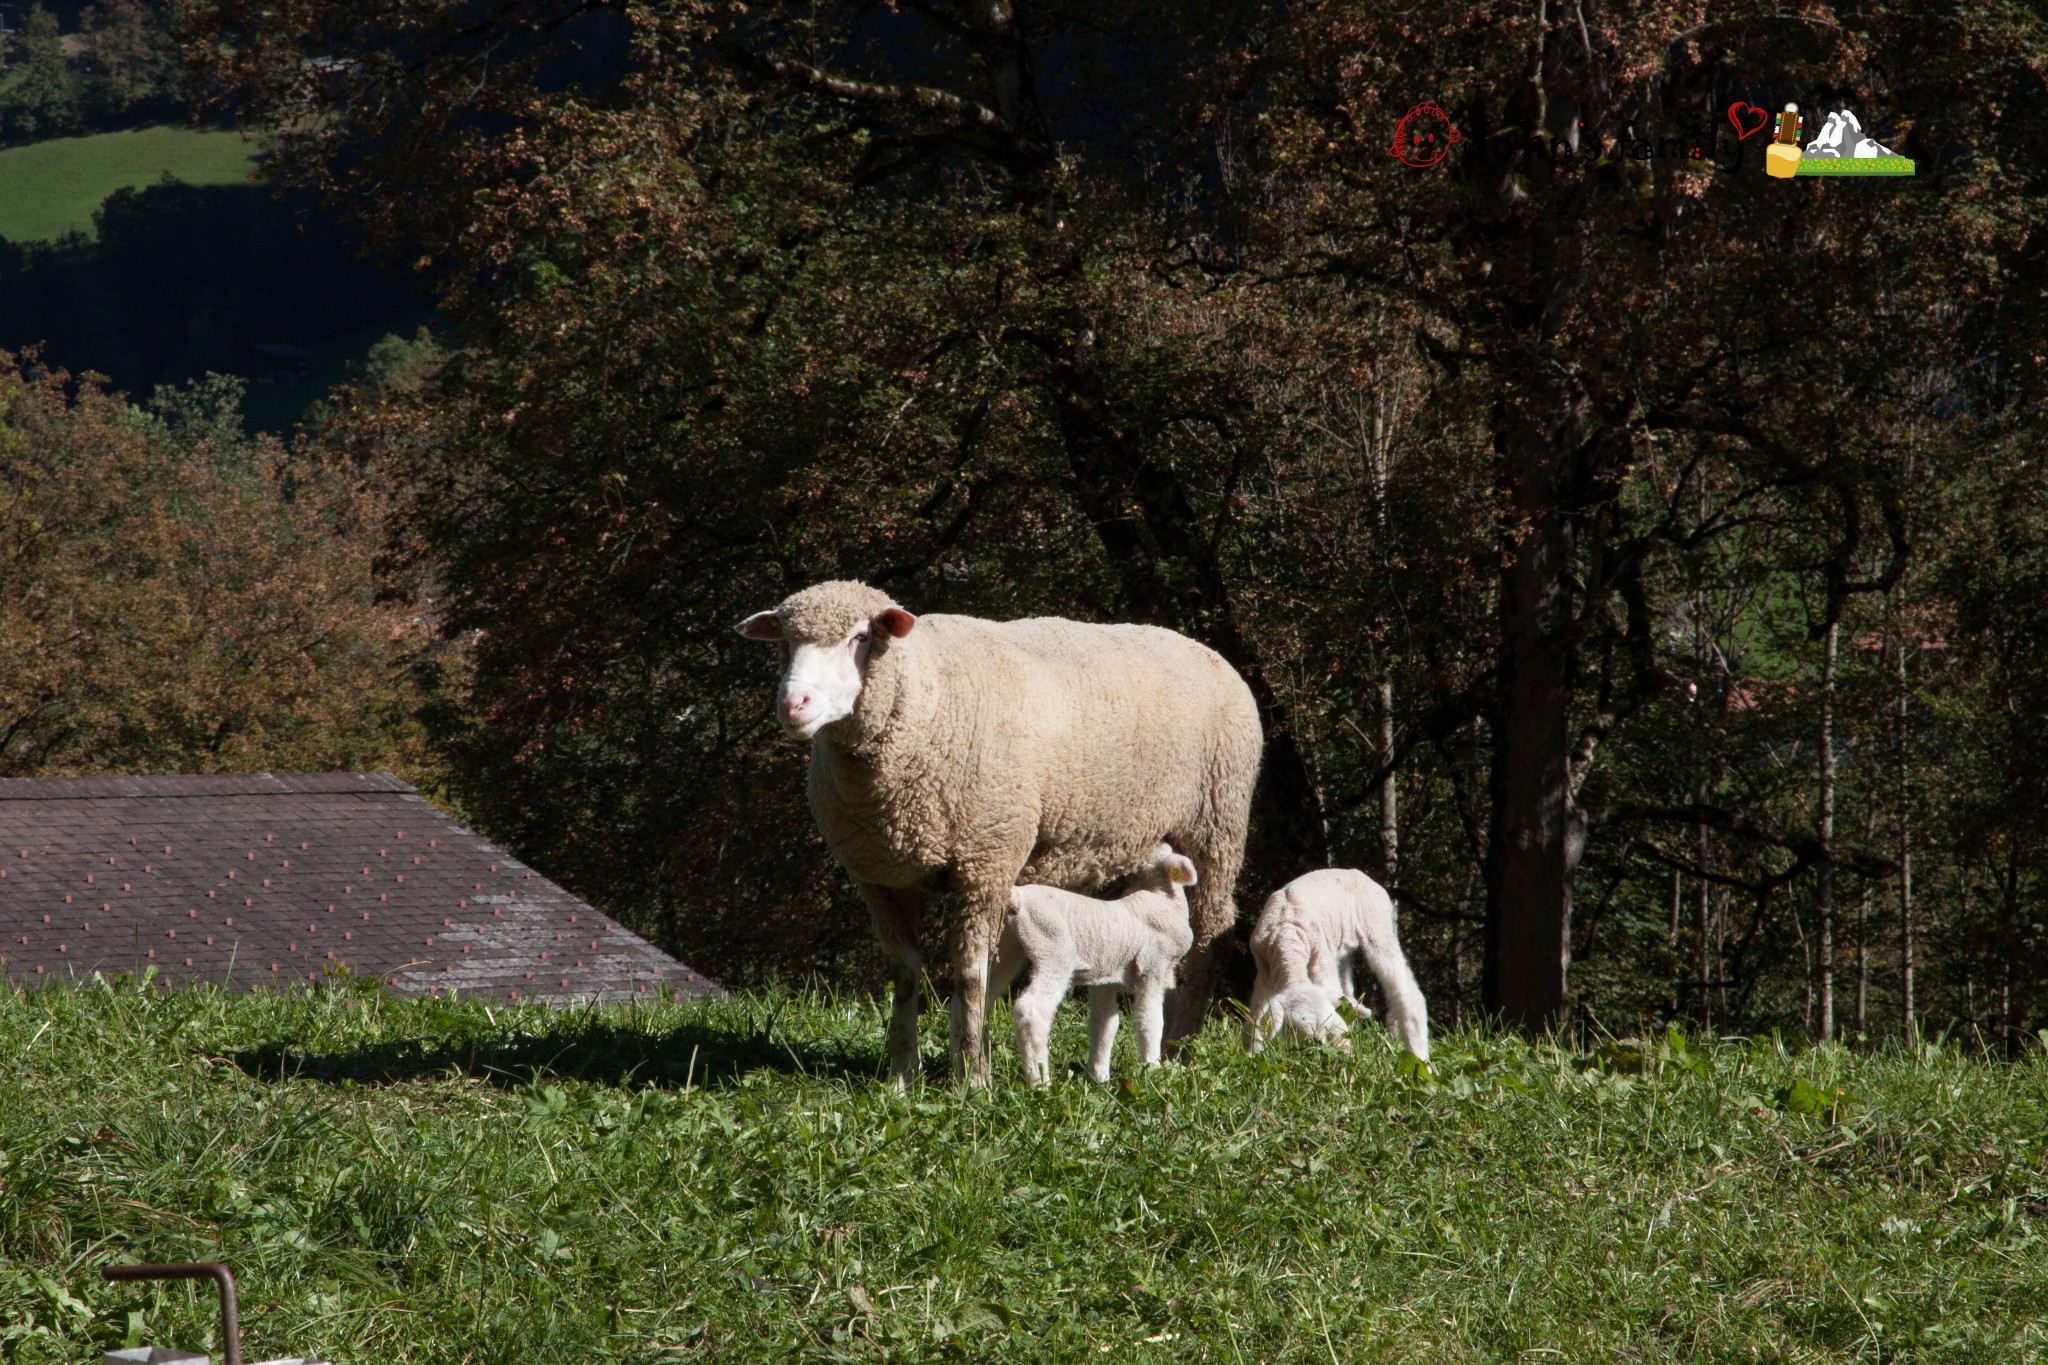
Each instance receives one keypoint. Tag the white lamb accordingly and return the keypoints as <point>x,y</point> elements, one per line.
<point>1129,944</point>
<point>1308,942</point>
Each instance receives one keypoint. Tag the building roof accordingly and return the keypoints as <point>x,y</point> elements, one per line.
<point>278,878</point>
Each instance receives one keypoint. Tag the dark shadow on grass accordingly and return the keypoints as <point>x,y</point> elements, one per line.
<point>586,1048</point>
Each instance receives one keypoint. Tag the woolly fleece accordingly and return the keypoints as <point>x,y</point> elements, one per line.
<point>1306,944</point>
<point>982,753</point>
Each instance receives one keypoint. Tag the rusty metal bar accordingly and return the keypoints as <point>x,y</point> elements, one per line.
<point>230,1314</point>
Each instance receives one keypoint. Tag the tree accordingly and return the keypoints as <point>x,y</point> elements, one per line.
<point>43,101</point>
<point>1599,258</point>
<point>179,598</point>
<point>1017,309</point>
<point>129,59</point>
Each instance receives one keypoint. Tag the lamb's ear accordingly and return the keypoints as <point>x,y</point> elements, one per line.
<point>896,621</point>
<point>762,625</point>
<point>1181,871</point>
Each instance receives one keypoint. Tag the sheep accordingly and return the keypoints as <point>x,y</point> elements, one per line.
<point>1129,944</point>
<point>953,757</point>
<point>1307,944</point>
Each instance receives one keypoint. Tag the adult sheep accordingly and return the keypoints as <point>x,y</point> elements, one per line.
<point>952,758</point>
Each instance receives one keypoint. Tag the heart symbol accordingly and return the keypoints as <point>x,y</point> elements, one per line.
<point>1742,109</point>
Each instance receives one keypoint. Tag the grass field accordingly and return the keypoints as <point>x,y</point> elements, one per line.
<point>414,1182</point>
<point>50,188</point>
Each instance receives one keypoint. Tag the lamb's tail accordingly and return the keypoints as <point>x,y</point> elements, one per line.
<point>1407,1014</point>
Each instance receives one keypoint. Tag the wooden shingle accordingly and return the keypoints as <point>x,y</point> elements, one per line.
<point>279,878</point>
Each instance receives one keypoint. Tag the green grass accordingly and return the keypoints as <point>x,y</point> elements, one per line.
<point>50,188</point>
<point>401,1182</point>
<point>1866,165</point>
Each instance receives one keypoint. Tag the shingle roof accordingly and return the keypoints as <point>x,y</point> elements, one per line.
<point>274,878</point>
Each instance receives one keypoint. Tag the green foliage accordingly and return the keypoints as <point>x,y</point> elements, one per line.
<point>427,1181</point>
<point>121,68</point>
<point>43,101</point>
<point>179,598</point>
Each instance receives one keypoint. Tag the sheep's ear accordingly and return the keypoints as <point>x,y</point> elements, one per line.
<point>762,625</point>
<point>896,621</point>
<point>1180,871</point>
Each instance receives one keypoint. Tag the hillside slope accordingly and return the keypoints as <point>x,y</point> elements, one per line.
<point>48,189</point>
<point>425,1182</point>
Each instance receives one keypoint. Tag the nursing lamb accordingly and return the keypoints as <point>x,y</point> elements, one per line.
<point>1129,944</point>
<point>1307,944</point>
<point>952,758</point>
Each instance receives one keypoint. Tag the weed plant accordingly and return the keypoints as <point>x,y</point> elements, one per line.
<point>422,1181</point>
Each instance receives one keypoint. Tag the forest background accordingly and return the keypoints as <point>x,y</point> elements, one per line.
<point>1641,567</point>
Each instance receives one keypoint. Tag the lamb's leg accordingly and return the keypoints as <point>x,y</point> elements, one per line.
<point>895,914</point>
<point>1407,1014</point>
<point>1262,991</point>
<point>1034,1007</point>
<point>1348,975</point>
<point>1148,1017</point>
<point>1102,1023</point>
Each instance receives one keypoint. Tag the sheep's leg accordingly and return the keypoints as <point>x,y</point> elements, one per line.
<point>1187,1005</point>
<point>1216,843</point>
<point>895,914</point>
<point>1102,1022</point>
<point>973,934</point>
<point>1148,1017</point>
<point>1214,837</point>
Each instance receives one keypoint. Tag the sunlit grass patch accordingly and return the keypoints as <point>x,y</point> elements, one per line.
<point>425,1181</point>
<point>48,189</point>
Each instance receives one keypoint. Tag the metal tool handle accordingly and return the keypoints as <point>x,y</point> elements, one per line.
<point>230,1314</point>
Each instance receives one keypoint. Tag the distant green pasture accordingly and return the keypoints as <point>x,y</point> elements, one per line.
<point>50,188</point>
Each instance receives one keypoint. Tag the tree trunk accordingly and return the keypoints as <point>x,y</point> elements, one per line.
<point>1827,830</point>
<point>1705,947</point>
<point>1538,834</point>
<point>1863,935</point>
<point>1671,943</point>
<point>1905,797</point>
<point>1390,814</point>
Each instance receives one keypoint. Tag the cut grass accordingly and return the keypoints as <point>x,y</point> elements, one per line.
<point>429,1182</point>
<point>48,189</point>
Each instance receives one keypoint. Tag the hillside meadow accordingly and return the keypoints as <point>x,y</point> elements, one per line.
<point>729,1179</point>
<point>48,189</point>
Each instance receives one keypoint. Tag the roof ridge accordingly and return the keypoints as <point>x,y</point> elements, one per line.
<point>178,785</point>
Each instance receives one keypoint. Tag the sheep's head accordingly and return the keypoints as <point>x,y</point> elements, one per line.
<point>1166,871</point>
<point>829,632</point>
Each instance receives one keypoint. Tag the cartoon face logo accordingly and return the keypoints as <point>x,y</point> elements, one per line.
<point>1424,136</point>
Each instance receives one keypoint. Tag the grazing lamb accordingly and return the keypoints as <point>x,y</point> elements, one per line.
<point>1307,944</point>
<point>952,758</point>
<point>1129,944</point>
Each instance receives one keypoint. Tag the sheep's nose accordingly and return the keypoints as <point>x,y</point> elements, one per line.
<point>794,704</point>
